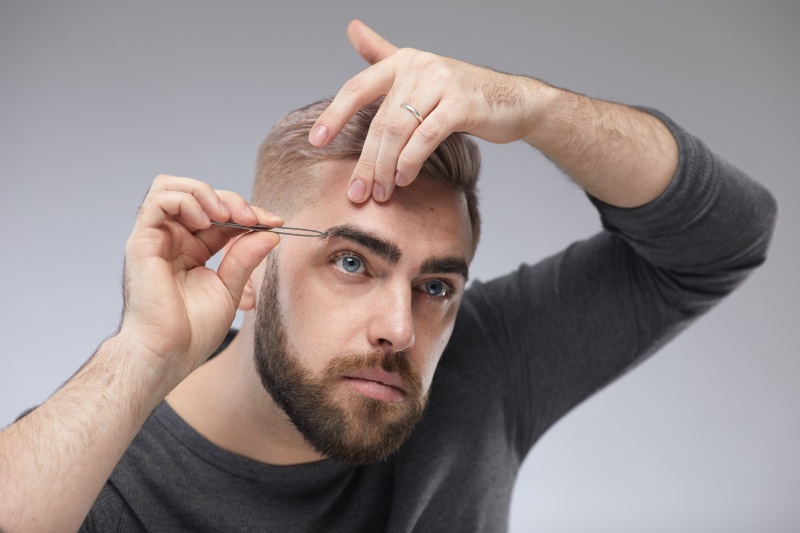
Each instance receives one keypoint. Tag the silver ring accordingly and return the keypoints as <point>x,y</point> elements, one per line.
<point>412,110</point>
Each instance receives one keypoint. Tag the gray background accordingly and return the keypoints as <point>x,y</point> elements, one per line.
<point>98,98</point>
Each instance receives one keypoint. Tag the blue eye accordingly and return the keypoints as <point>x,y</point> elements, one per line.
<point>350,264</point>
<point>436,287</point>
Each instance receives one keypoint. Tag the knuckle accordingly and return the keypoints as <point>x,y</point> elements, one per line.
<point>152,196</point>
<point>351,87</point>
<point>442,120</point>
<point>384,168</point>
<point>365,167</point>
<point>406,163</point>
<point>229,196</point>
<point>379,124</point>
<point>425,60</point>
<point>332,115</point>
<point>395,125</point>
<point>406,52</point>
<point>429,131</point>
<point>224,193</point>
<point>205,189</point>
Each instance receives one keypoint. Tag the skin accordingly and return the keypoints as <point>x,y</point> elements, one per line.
<point>329,311</point>
<point>54,461</point>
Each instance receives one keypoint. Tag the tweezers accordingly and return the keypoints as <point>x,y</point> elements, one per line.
<point>281,230</point>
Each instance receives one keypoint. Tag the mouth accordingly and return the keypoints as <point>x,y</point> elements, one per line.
<point>376,383</point>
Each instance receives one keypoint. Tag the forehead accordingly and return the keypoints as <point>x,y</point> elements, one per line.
<point>427,217</point>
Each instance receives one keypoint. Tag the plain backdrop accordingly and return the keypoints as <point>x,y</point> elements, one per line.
<point>96,98</point>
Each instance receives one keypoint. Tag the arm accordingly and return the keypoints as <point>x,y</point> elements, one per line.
<point>618,154</point>
<point>54,461</point>
<point>572,323</point>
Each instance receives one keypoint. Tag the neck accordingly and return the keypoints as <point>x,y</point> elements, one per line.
<point>225,401</point>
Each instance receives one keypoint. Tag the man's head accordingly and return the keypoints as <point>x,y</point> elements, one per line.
<point>349,328</point>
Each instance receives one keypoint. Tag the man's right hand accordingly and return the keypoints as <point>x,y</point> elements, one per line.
<point>177,311</point>
<point>55,460</point>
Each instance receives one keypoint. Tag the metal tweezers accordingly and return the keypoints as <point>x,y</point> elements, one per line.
<point>281,230</point>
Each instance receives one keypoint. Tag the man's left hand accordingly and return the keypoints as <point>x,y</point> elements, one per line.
<point>449,95</point>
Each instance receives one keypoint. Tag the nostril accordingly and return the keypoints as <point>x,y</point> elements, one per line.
<point>389,344</point>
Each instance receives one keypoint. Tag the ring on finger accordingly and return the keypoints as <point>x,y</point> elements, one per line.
<point>412,111</point>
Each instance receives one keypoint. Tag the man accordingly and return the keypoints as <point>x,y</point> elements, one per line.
<point>367,389</point>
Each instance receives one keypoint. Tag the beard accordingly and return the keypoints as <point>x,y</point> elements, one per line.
<point>357,429</point>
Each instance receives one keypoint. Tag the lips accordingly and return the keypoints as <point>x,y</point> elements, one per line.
<point>377,383</point>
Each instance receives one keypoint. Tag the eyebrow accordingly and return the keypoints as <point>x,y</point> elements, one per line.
<point>380,247</point>
<point>446,265</point>
<point>390,252</point>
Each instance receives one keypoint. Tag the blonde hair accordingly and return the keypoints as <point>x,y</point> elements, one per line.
<point>287,166</point>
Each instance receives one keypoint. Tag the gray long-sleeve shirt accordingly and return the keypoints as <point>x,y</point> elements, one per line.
<point>526,349</point>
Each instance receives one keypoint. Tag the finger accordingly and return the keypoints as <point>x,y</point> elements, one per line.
<point>203,193</point>
<point>242,258</point>
<point>368,179</point>
<point>363,88</point>
<point>216,237</point>
<point>361,182</point>
<point>161,205</point>
<point>426,138</point>
<point>219,205</point>
<point>369,45</point>
<point>242,212</point>
<point>399,126</point>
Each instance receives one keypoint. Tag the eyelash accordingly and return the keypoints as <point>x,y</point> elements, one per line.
<point>449,292</point>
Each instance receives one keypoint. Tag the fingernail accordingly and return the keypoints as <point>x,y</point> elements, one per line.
<point>400,179</point>
<point>318,135</point>
<point>357,190</point>
<point>224,209</point>
<point>378,192</point>
<point>249,211</point>
<point>205,217</point>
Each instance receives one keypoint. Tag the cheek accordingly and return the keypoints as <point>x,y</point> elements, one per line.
<point>320,321</point>
<point>299,321</point>
<point>438,334</point>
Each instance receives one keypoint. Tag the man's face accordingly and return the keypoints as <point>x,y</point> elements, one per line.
<point>350,327</point>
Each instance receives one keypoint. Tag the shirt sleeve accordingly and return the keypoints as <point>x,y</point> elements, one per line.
<point>556,332</point>
<point>110,513</point>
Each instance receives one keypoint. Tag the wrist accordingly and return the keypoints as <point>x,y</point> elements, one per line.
<point>153,374</point>
<point>549,110</point>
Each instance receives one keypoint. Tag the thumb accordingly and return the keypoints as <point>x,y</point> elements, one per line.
<point>242,258</point>
<point>369,45</point>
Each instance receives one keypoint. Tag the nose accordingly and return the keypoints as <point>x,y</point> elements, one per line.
<point>391,322</point>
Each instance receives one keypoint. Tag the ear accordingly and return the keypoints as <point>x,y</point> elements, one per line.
<point>248,301</point>
<point>369,45</point>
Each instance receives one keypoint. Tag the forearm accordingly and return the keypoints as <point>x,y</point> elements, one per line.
<point>618,154</point>
<point>54,462</point>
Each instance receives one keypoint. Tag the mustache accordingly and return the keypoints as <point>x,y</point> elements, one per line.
<point>394,362</point>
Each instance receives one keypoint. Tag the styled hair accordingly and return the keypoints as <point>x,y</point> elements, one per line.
<point>288,165</point>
